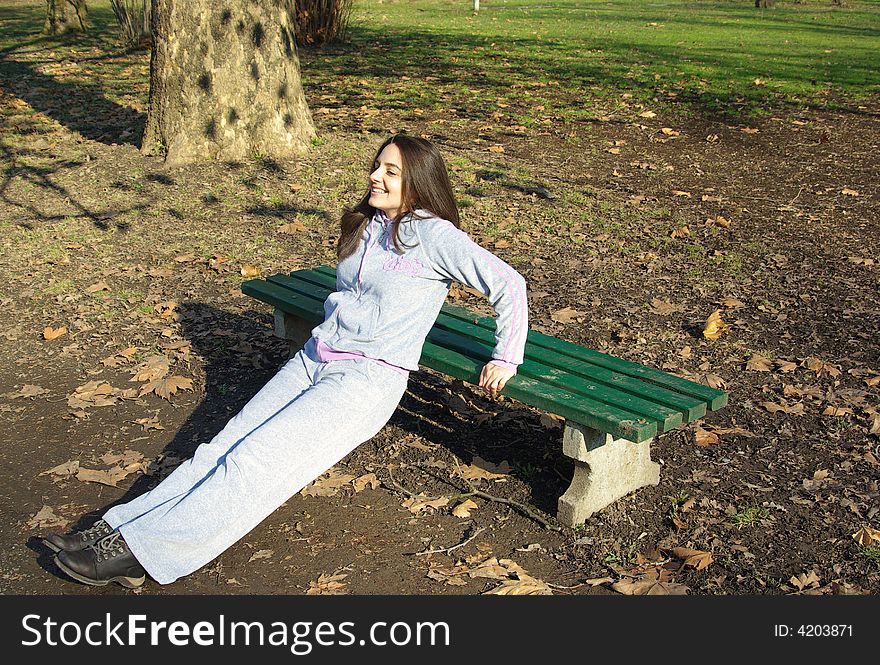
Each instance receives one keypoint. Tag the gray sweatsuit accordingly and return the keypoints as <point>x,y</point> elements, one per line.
<point>311,414</point>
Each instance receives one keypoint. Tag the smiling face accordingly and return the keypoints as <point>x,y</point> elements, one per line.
<point>386,181</point>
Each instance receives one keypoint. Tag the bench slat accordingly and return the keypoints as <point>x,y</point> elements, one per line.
<point>618,423</point>
<point>543,379</point>
<point>610,387</point>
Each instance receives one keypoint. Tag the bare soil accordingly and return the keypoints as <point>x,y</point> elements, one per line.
<point>782,238</point>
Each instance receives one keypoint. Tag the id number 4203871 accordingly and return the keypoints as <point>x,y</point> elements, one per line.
<point>813,630</point>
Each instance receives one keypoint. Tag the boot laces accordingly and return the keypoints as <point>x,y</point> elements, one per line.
<point>100,528</point>
<point>110,546</point>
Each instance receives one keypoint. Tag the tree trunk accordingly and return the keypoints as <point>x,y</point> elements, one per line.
<point>225,82</point>
<point>65,15</point>
<point>764,3</point>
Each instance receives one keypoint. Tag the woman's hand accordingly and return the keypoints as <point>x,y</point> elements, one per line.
<point>493,377</point>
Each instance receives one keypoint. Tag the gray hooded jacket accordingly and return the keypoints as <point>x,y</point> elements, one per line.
<point>386,301</point>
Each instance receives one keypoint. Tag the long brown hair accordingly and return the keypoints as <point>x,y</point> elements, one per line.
<point>425,186</point>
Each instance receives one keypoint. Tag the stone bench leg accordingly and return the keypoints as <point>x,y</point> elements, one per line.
<point>605,469</point>
<point>295,330</point>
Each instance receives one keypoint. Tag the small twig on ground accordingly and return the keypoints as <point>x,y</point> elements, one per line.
<point>454,547</point>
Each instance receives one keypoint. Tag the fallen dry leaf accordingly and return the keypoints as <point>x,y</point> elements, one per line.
<point>328,585</point>
<point>820,367</point>
<point>846,191</point>
<point>759,364</point>
<point>64,470</point>
<point>416,504</point>
<point>551,421</point>
<point>166,387</point>
<point>795,409</point>
<point>248,270</point>
<point>694,558</point>
<point>681,232</point>
<point>261,554</point>
<point>723,222</point>
<point>705,438</point>
<point>567,315</point>
<point>464,508</point>
<point>109,477</point>
<point>715,381</point>
<point>327,485</point>
<point>786,366</point>
<point>647,114</point>
<point>94,394</point>
<point>100,286</point>
<point>837,411</point>
<point>50,333</point>
<point>27,390</point>
<point>664,307</point>
<point>496,148</point>
<point>805,579</point>
<point>292,228</point>
<point>47,519</point>
<point>649,587</point>
<point>714,325</point>
<point>867,536</point>
<point>526,587</point>
<point>360,483</point>
<point>149,423</point>
<point>154,367</point>
<point>480,469</point>
<point>732,303</point>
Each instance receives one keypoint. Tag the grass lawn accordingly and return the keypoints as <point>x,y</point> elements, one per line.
<point>715,55</point>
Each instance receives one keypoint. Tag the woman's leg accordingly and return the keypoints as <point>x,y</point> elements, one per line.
<point>348,403</point>
<point>294,377</point>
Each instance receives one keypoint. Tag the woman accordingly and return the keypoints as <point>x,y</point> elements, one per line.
<point>399,251</point>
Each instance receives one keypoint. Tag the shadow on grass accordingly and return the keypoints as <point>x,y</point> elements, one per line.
<point>80,107</point>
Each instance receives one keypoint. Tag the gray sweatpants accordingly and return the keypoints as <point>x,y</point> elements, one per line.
<point>303,421</point>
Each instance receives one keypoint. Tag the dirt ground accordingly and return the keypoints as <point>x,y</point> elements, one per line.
<point>644,232</point>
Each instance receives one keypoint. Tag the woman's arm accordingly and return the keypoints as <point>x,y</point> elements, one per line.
<point>454,255</point>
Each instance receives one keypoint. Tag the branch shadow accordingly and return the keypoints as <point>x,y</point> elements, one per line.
<point>80,107</point>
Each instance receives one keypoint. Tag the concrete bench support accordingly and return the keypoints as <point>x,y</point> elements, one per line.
<point>605,469</point>
<point>295,330</point>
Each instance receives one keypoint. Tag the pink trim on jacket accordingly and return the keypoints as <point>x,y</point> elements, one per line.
<point>325,354</point>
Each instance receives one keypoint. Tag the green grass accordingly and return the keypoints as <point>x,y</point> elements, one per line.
<point>715,56</point>
<point>750,516</point>
<point>871,553</point>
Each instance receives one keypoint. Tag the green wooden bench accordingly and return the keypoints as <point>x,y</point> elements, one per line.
<point>612,408</point>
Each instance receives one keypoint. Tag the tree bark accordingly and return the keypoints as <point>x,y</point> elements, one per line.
<point>225,82</point>
<point>65,16</point>
<point>764,3</point>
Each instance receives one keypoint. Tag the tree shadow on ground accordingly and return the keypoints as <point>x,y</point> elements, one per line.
<point>241,354</point>
<point>80,107</point>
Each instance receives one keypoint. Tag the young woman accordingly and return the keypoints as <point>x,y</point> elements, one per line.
<point>399,251</point>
